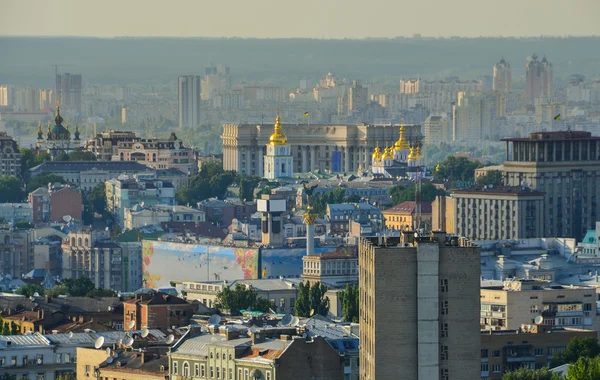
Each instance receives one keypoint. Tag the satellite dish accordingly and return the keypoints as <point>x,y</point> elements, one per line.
<point>215,319</point>
<point>131,324</point>
<point>67,218</point>
<point>257,336</point>
<point>31,298</point>
<point>36,294</point>
<point>128,341</point>
<point>99,342</point>
<point>145,332</point>
<point>287,320</point>
<point>295,321</point>
<point>108,351</point>
<point>109,360</point>
<point>170,338</point>
<point>70,334</point>
<point>538,320</point>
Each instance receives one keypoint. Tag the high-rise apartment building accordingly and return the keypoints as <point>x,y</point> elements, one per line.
<point>47,98</point>
<point>68,91</point>
<point>539,78</point>
<point>418,309</point>
<point>216,79</point>
<point>546,109</point>
<point>27,100</point>
<point>5,95</point>
<point>437,129</point>
<point>189,101</point>
<point>564,165</point>
<point>10,156</point>
<point>502,81</point>
<point>473,116</point>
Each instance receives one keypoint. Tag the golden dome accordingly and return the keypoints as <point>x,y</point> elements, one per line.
<point>438,167</point>
<point>278,138</point>
<point>376,153</point>
<point>412,155</point>
<point>418,154</point>
<point>387,154</point>
<point>402,144</point>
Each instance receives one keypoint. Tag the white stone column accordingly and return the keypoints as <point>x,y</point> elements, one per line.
<point>304,158</point>
<point>346,158</point>
<point>310,239</point>
<point>313,158</point>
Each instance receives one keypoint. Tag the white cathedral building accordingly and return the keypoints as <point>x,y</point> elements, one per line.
<point>278,161</point>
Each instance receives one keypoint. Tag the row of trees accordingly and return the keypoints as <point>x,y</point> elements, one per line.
<point>241,298</point>
<point>211,181</point>
<point>80,287</point>
<point>311,300</point>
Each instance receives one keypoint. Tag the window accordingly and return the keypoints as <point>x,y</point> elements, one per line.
<point>39,359</point>
<point>40,376</point>
<point>196,369</point>
<point>246,374</point>
<point>485,367</point>
<point>2,361</point>
<point>534,309</point>
<point>444,374</point>
<point>268,375</point>
<point>484,353</point>
<point>202,371</point>
<point>218,373</point>
<point>211,371</point>
<point>496,353</point>
<point>444,285</point>
<point>87,368</point>
<point>67,358</point>
<point>539,352</point>
<point>443,330</point>
<point>24,359</point>
<point>496,368</point>
<point>230,373</point>
<point>443,352</point>
<point>175,370</point>
<point>58,358</point>
<point>444,307</point>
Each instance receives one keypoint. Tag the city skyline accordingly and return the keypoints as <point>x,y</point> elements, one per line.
<point>271,19</point>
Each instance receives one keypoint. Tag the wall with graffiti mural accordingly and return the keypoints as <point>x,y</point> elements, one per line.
<point>286,262</point>
<point>168,261</point>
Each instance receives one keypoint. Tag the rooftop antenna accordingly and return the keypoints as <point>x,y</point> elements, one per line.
<point>128,341</point>
<point>99,342</point>
<point>109,360</point>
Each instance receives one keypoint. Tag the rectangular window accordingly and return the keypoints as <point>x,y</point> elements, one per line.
<point>444,307</point>
<point>496,353</point>
<point>443,285</point>
<point>2,361</point>
<point>202,371</point>
<point>40,376</point>
<point>444,374</point>
<point>484,353</point>
<point>175,371</point>
<point>211,371</point>
<point>196,369</point>
<point>218,373</point>
<point>443,352</point>
<point>485,367</point>
<point>443,330</point>
<point>496,368</point>
<point>539,352</point>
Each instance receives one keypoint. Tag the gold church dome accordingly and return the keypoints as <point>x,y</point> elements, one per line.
<point>387,154</point>
<point>412,154</point>
<point>402,144</point>
<point>278,138</point>
<point>418,154</point>
<point>376,153</point>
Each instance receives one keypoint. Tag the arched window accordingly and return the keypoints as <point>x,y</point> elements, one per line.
<point>73,241</point>
<point>186,369</point>
<point>79,241</point>
<point>87,242</point>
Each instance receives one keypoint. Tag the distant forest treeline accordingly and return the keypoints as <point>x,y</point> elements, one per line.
<point>30,60</point>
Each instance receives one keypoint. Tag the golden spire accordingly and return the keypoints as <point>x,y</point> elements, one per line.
<point>278,138</point>
<point>402,144</point>
<point>376,153</point>
<point>438,167</point>
<point>387,153</point>
<point>411,155</point>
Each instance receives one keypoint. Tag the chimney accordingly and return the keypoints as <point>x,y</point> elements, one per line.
<point>258,337</point>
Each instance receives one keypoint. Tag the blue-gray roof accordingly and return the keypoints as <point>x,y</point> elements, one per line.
<point>77,166</point>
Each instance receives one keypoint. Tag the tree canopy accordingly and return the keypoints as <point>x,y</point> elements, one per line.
<point>492,177</point>
<point>456,169</point>
<point>31,158</point>
<point>211,181</point>
<point>311,300</point>
<point>577,348</point>
<point>82,155</point>
<point>349,299</point>
<point>401,194</point>
<point>585,368</point>
<point>28,290</point>
<point>42,180</point>
<point>241,298</point>
<point>11,190</point>
<point>526,373</point>
<point>79,287</point>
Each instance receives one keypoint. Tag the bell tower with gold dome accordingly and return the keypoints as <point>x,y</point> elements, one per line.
<point>278,160</point>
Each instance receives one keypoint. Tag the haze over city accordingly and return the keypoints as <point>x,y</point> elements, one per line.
<point>299,19</point>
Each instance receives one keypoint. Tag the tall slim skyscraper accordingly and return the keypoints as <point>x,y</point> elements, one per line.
<point>189,101</point>
<point>539,76</point>
<point>419,303</point>
<point>502,81</point>
<point>68,92</point>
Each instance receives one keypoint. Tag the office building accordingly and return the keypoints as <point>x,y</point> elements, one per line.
<point>473,116</point>
<point>528,346</point>
<point>539,78</point>
<point>125,192</point>
<point>408,215</point>
<point>519,302</point>
<point>493,212</point>
<point>314,147</point>
<point>92,254</point>
<point>10,156</point>
<point>418,309</point>
<point>189,101</point>
<point>332,269</point>
<point>502,81</point>
<point>68,92</point>
<point>16,212</point>
<point>437,130</point>
<point>564,165</point>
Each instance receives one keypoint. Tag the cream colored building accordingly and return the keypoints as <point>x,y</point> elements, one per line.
<point>312,146</point>
<point>519,302</point>
<point>418,310</point>
<point>437,130</point>
<point>332,269</point>
<point>140,216</point>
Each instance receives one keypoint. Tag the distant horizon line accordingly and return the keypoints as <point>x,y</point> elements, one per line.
<point>413,37</point>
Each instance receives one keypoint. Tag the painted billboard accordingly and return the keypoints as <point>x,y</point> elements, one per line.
<point>287,262</point>
<point>164,262</point>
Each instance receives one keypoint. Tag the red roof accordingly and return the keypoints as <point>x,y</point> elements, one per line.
<point>409,207</point>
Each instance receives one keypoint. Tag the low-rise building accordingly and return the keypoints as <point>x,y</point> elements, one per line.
<point>16,212</point>
<point>529,346</point>
<point>408,215</point>
<point>332,269</point>
<point>149,363</point>
<point>53,203</point>
<point>156,310</point>
<point>147,215</point>
<point>125,192</point>
<point>519,302</point>
<point>223,212</point>
<point>340,215</point>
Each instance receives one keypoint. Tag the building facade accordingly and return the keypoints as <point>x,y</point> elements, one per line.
<point>156,310</point>
<point>16,248</point>
<point>10,156</point>
<point>333,269</point>
<point>16,212</point>
<point>473,115</point>
<point>278,160</point>
<point>417,317</point>
<point>189,101</point>
<point>502,81</point>
<point>312,146</point>
<point>539,78</point>
<point>68,91</point>
<point>53,203</point>
<point>408,215</point>
<point>437,130</point>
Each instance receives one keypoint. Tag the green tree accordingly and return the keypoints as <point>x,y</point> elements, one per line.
<point>62,156</point>
<point>58,290</point>
<point>319,302</point>
<point>401,194</point>
<point>11,190</point>
<point>265,190</point>
<point>24,225</point>
<point>456,169</point>
<point>28,290</point>
<point>577,348</point>
<point>302,305</point>
<point>14,329</point>
<point>584,369</point>
<point>5,328</point>
<point>78,287</point>
<point>492,177</point>
<point>8,376</point>
<point>349,299</point>
<point>101,293</point>
<point>526,373</point>
<point>31,158</point>
<point>82,155</point>
<point>43,180</point>
<point>240,298</point>
<point>246,189</point>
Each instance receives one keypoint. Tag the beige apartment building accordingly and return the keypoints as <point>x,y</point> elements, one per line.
<point>418,305</point>
<point>491,212</point>
<point>519,302</point>
<point>332,269</point>
<point>312,146</point>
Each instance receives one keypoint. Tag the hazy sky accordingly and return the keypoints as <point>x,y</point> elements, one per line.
<point>299,18</point>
